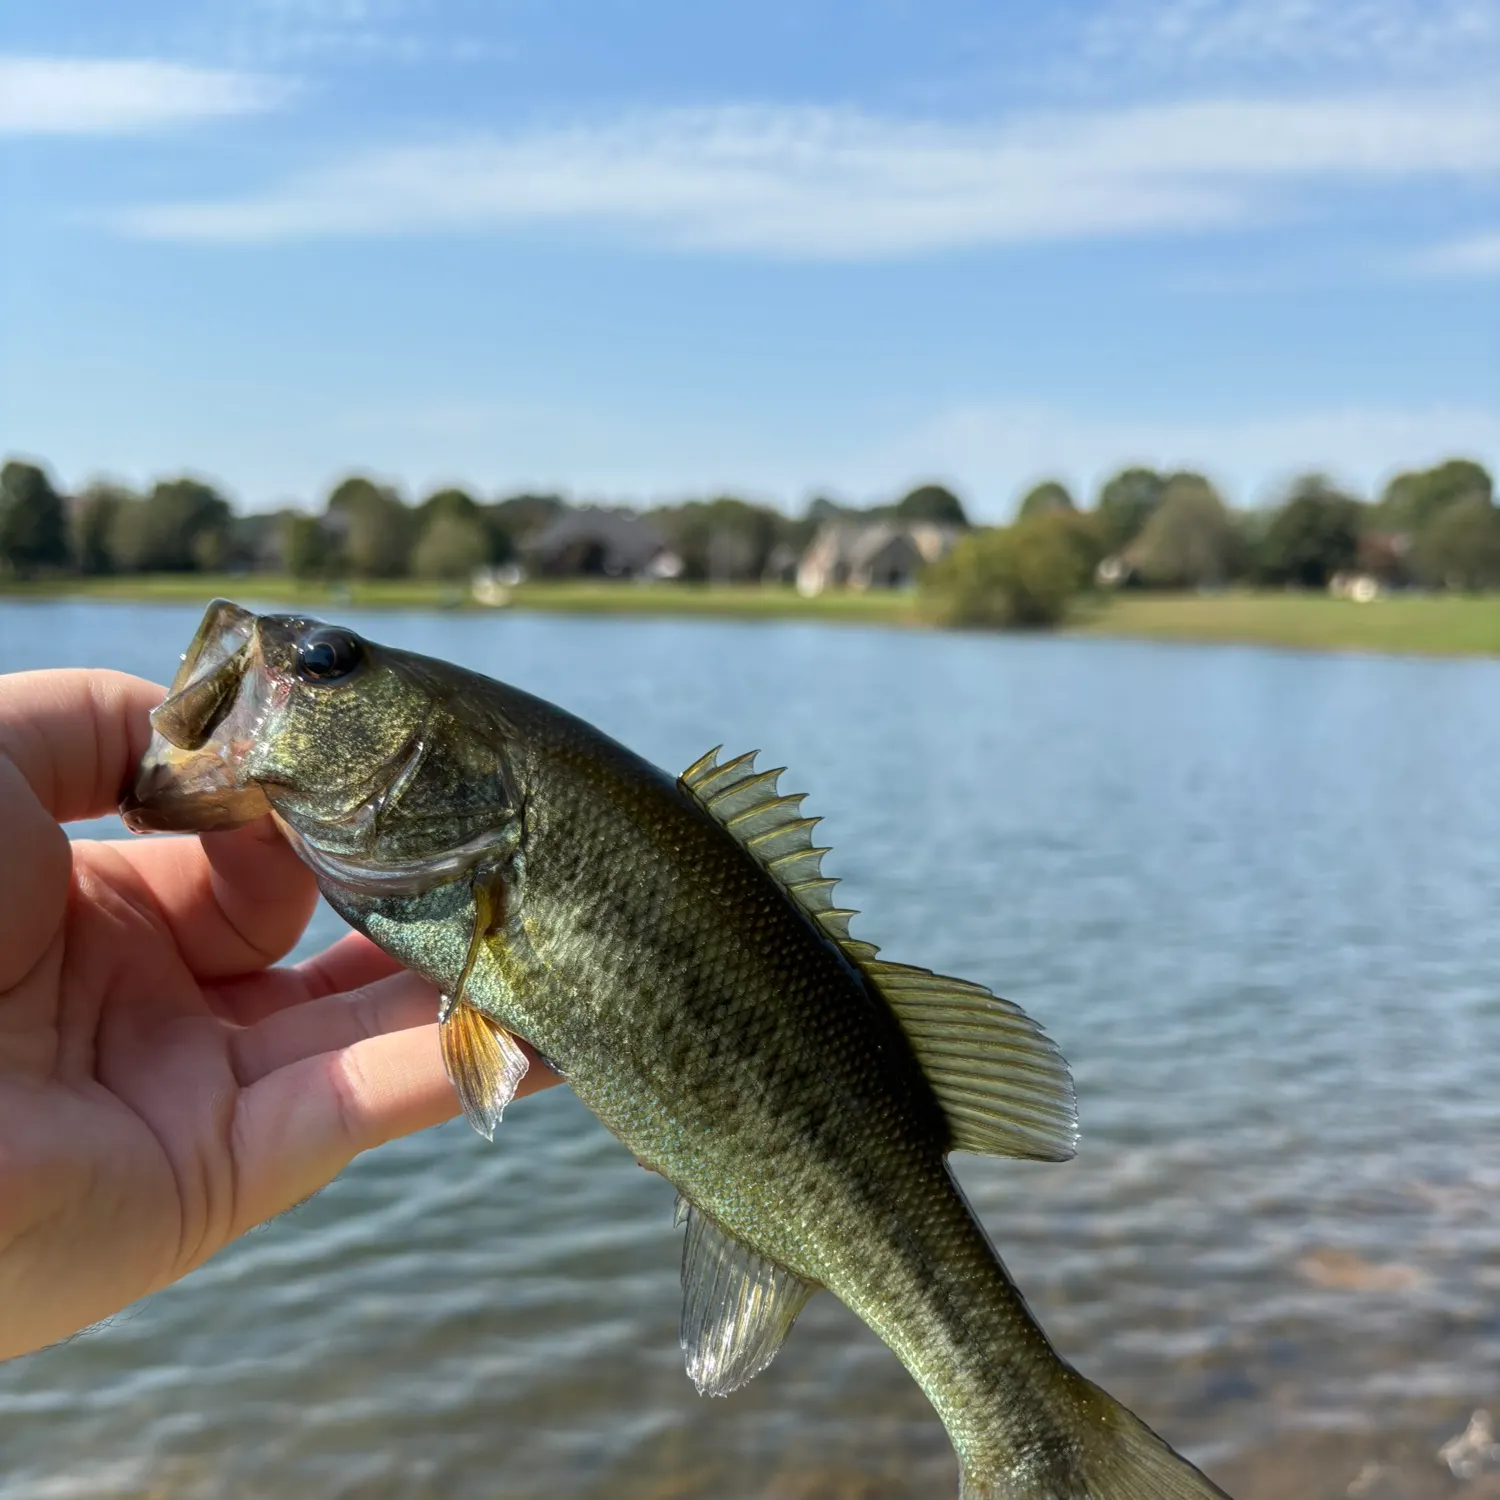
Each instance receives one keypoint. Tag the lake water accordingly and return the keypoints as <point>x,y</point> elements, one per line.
<point>1254,895</point>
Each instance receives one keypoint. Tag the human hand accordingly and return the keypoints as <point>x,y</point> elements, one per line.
<point>162,1088</point>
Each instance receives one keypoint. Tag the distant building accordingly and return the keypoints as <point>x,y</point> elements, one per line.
<point>598,543</point>
<point>876,555</point>
<point>781,564</point>
<point>1360,588</point>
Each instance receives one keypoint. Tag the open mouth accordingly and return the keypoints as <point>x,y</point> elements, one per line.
<point>188,779</point>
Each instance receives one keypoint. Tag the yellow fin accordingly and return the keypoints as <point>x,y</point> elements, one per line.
<point>1001,1081</point>
<point>485,1063</point>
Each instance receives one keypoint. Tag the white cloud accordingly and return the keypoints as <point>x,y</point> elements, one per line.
<point>994,451</point>
<point>1477,255</point>
<point>1395,36</point>
<point>840,184</point>
<point>106,96</point>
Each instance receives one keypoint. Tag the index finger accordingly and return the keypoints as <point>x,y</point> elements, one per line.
<point>68,742</point>
<point>76,735</point>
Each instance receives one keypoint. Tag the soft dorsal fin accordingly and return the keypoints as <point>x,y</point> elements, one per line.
<point>1000,1079</point>
<point>1003,1084</point>
<point>737,1306</point>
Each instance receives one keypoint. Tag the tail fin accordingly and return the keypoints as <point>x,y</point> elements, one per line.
<point>1114,1456</point>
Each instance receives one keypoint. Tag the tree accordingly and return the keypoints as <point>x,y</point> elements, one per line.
<point>1411,500</point>
<point>932,503</point>
<point>1126,503</point>
<point>254,542</point>
<point>33,522</point>
<point>510,521</point>
<point>1041,499</point>
<point>304,545</point>
<point>451,546</point>
<point>1460,546</point>
<point>521,515</point>
<point>94,513</point>
<point>724,540</point>
<point>376,528</point>
<point>1084,536</point>
<point>181,526</point>
<point>1311,536</point>
<point>1018,575</point>
<point>1190,541</point>
<point>447,502</point>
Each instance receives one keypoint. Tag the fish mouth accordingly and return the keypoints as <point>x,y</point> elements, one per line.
<point>179,796</point>
<point>190,778</point>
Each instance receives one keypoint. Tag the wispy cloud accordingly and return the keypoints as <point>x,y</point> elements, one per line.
<point>283,30</point>
<point>839,184</point>
<point>1475,255</point>
<point>1393,36</point>
<point>108,96</point>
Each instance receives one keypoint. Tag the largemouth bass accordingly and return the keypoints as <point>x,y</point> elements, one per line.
<point>672,946</point>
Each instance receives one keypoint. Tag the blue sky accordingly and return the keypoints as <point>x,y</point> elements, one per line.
<point>643,250</point>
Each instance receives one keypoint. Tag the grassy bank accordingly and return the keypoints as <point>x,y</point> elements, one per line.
<point>1439,625</point>
<point>749,601</point>
<point>1427,625</point>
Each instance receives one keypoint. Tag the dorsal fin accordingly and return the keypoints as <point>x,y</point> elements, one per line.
<point>1000,1079</point>
<point>772,828</point>
<point>1003,1084</point>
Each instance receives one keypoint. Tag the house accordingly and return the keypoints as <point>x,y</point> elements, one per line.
<point>781,564</point>
<point>598,543</point>
<point>876,555</point>
<point>1360,588</point>
<point>885,557</point>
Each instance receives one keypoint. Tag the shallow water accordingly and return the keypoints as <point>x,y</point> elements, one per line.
<point>1255,896</point>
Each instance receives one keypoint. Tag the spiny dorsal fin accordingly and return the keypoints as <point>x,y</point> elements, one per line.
<point>772,828</point>
<point>737,1306</point>
<point>1000,1079</point>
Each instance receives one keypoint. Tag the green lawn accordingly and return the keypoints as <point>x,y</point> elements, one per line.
<point>573,597</point>
<point>1429,625</point>
<point>1440,625</point>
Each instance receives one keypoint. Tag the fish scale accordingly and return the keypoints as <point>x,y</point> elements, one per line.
<point>673,946</point>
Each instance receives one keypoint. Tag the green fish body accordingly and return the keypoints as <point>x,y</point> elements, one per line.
<point>672,947</point>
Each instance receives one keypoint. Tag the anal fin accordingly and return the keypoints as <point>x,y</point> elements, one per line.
<point>484,1061</point>
<point>737,1306</point>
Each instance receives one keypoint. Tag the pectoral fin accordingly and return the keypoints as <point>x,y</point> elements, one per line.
<point>737,1306</point>
<point>484,1061</point>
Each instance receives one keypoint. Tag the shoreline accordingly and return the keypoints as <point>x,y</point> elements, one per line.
<point>1446,625</point>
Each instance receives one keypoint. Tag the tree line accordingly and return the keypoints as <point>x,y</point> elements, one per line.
<point>367,530</point>
<point>1433,528</point>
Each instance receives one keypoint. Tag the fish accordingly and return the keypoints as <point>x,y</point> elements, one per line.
<point>671,945</point>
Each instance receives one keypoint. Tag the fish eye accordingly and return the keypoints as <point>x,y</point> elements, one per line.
<point>326,655</point>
